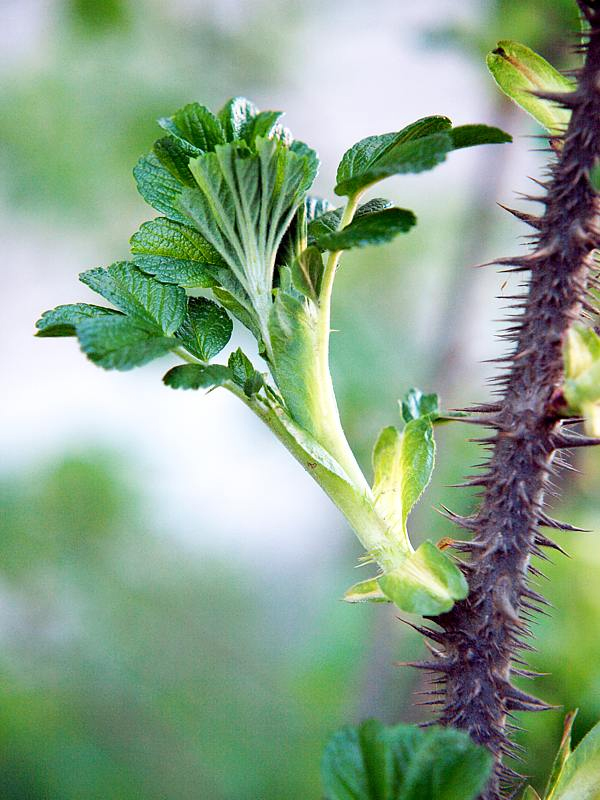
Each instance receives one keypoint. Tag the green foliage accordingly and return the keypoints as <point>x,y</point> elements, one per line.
<point>372,762</point>
<point>238,221</point>
<point>582,376</point>
<point>520,73</point>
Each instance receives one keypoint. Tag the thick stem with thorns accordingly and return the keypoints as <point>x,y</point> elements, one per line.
<point>483,636</point>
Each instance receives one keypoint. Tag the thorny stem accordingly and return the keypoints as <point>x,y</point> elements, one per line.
<point>483,636</point>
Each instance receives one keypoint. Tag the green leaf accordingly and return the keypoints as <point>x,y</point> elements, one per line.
<point>519,72</point>
<point>262,125</point>
<point>307,273</point>
<point>388,482</point>
<point>316,207</point>
<point>239,311</point>
<point>118,342</point>
<point>563,754</point>
<point>580,776</point>
<point>197,376</point>
<point>195,125</point>
<point>472,135</point>
<point>159,188</point>
<point>244,374</point>
<point>153,304</point>
<point>62,320</point>
<point>175,253</point>
<point>418,147</point>
<point>235,116</point>
<point>367,591</point>
<point>375,228</point>
<point>417,456</point>
<point>206,328</point>
<point>372,762</point>
<point>328,221</point>
<point>363,156</point>
<point>424,582</point>
<point>530,794</point>
<point>415,404</point>
<point>174,157</point>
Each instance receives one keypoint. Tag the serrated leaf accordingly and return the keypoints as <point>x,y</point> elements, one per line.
<point>580,776</point>
<point>328,221</point>
<point>362,156</point>
<point>425,582</point>
<point>417,456</point>
<point>235,115</point>
<point>175,253</point>
<point>415,404</point>
<point>197,376</point>
<point>562,755</point>
<point>151,303</point>
<point>197,126</point>
<point>206,328</point>
<point>372,762</point>
<point>307,273</point>
<point>261,125</point>
<point>62,320</point>
<point>173,156</point>
<point>519,72</point>
<point>159,188</point>
<point>243,373</point>
<point>367,591</point>
<point>375,228</point>
<point>118,342</point>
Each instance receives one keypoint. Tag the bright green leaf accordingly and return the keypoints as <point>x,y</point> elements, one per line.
<point>197,376</point>
<point>206,328</point>
<point>375,228</point>
<point>372,762</point>
<point>307,272</point>
<point>118,342</point>
<point>519,72</point>
<point>62,320</point>
<point>367,591</point>
<point>195,125</point>
<point>417,456</point>
<point>159,188</point>
<point>425,582</point>
<point>388,481</point>
<point>415,404</point>
<point>175,253</point>
<point>580,776</point>
<point>143,298</point>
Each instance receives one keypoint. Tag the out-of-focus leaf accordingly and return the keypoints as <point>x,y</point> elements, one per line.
<point>367,591</point>
<point>580,776</point>
<point>415,404</point>
<point>520,72</point>
<point>206,328</point>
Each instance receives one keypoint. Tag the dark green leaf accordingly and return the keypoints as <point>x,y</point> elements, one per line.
<point>152,304</point>
<point>158,187</point>
<point>307,272</point>
<point>372,762</point>
<point>262,124</point>
<point>244,374</point>
<point>206,328</point>
<point>369,229</point>
<point>329,220</point>
<point>362,156</point>
<point>62,320</point>
<point>173,157</point>
<point>415,404</point>
<point>197,126</point>
<point>117,342</point>
<point>471,135</point>
<point>175,253</point>
<point>197,376</point>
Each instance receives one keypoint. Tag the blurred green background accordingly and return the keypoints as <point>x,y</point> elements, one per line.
<point>170,583</point>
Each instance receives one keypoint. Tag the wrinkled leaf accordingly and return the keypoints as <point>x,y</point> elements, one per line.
<point>519,72</point>
<point>195,125</point>
<point>159,188</point>
<point>375,228</point>
<point>175,253</point>
<point>143,298</point>
<point>62,320</point>
<point>329,220</point>
<point>197,376</point>
<point>118,342</point>
<point>373,762</point>
<point>174,158</point>
<point>244,374</point>
<point>415,404</point>
<point>206,328</point>
<point>235,115</point>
